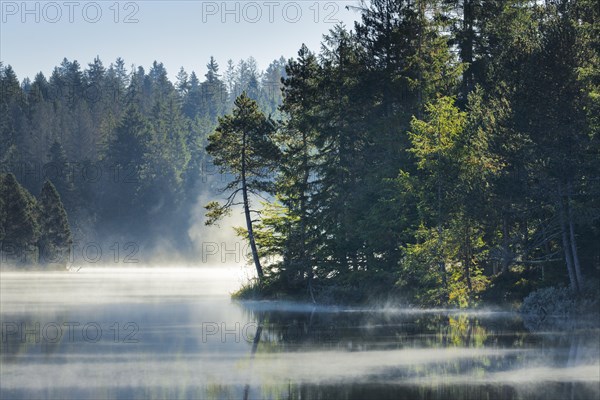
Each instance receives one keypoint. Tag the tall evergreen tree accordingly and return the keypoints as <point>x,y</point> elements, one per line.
<point>12,106</point>
<point>295,183</point>
<point>126,165</point>
<point>242,145</point>
<point>55,239</point>
<point>214,92</point>
<point>20,227</point>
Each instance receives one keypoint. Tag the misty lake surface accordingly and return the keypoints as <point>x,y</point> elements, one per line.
<point>174,333</point>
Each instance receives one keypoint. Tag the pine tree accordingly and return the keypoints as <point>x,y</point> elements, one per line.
<point>295,185</point>
<point>39,89</point>
<point>55,239</point>
<point>408,63</point>
<point>272,86</point>
<point>20,227</point>
<point>242,145</point>
<point>126,166</point>
<point>60,172</point>
<point>192,103</point>
<point>214,92</point>
<point>183,83</point>
<point>549,103</point>
<point>12,106</point>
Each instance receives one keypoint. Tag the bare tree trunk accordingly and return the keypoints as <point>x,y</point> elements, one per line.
<point>466,47</point>
<point>566,245</point>
<point>259,270</point>
<point>306,265</point>
<point>547,248</point>
<point>468,255</point>
<point>506,258</point>
<point>525,230</point>
<point>441,263</point>
<point>573,241</point>
<point>419,51</point>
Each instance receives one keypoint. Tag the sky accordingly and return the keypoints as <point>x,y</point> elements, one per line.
<point>36,36</point>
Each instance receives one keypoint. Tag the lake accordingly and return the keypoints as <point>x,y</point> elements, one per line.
<point>146,333</point>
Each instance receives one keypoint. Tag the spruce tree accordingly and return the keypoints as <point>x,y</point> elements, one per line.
<point>20,227</point>
<point>295,187</point>
<point>214,92</point>
<point>55,239</point>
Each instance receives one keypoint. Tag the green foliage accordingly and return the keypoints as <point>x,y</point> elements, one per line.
<point>20,225</point>
<point>32,232</point>
<point>550,301</point>
<point>271,237</point>
<point>245,136</point>
<point>242,146</point>
<point>401,160</point>
<point>558,307</point>
<point>55,234</point>
<point>125,149</point>
<point>252,290</point>
<point>420,277</point>
<point>214,213</point>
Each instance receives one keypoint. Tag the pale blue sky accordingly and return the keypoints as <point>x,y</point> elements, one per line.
<point>179,33</point>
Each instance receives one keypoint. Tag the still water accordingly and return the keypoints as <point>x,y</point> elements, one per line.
<point>173,333</point>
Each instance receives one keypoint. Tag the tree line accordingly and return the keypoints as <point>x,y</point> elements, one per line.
<point>443,151</point>
<point>124,147</point>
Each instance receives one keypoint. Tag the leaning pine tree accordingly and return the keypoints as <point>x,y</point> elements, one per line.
<point>242,147</point>
<point>55,239</point>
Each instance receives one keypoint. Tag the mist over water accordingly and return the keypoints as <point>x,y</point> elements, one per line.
<point>161,332</point>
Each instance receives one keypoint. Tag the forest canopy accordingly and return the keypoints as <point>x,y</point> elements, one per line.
<point>124,146</point>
